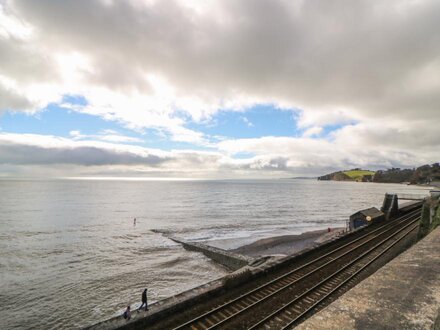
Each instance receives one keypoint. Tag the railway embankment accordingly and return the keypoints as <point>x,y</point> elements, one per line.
<point>188,299</point>
<point>391,237</point>
<point>403,294</point>
<point>430,214</point>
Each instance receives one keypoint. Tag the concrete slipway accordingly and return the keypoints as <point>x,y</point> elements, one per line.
<point>404,294</point>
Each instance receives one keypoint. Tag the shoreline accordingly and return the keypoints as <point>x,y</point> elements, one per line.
<point>423,185</point>
<point>287,244</point>
<point>281,245</point>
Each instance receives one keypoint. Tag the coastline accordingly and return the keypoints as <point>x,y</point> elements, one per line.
<point>287,244</point>
<point>281,245</point>
<point>432,185</point>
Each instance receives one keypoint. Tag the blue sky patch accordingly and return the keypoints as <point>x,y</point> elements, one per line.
<point>259,121</point>
<point>256,122</point>
<point>55,120</point>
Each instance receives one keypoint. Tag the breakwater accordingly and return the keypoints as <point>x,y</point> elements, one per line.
<point>232,261</point>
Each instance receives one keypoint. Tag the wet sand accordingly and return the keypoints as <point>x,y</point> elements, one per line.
<point>287,244</point>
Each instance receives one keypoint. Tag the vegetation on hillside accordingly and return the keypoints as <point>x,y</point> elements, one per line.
<point>336,176</point>
<point>358,174</point>
<point>426,174</point>
<point>393,175</point>
<point>421,175</point>
<point>355,174</point>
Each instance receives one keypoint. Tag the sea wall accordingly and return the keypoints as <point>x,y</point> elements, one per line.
<point>430,216</point>
<point>257,268</point>
<point>404,294</point>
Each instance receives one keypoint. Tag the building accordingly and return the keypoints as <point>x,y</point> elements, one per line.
<point>365,217</point>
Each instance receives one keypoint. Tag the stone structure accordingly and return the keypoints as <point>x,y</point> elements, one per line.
<point>228,259</point>
<point>404,294</point>
<point>390,206</point>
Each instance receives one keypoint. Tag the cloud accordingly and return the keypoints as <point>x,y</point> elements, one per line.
<point>313,131</point>
<point>32,152</point>
<point>105,135</point>
<point>31,149</point>
<point>247,122</point>
<point>272,157</point>
<point>349,148</point>
<point>365,56</point>
<point>373,66</point>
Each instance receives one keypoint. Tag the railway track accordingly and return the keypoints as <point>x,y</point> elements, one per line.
<point>283,301</point>
<point>289,314</point>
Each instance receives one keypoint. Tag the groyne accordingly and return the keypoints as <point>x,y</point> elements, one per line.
<point>226,258</point>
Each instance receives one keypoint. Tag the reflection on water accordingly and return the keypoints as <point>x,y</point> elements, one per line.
<point>70,255</point>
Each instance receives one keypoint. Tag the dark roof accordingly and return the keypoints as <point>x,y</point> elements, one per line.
<point>371,212</point>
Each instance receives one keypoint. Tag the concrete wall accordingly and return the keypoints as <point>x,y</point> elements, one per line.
<point>187,299</point>
<point>228,259</point>
<point>404,294</point>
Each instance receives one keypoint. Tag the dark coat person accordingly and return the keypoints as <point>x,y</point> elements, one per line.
<point>127,313</point>
<point>144,300</point>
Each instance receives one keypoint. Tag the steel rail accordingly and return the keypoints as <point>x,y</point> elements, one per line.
<point>350,278</point>
<point>272,315</point>
<point>388,226</point>
<point>302,278</point>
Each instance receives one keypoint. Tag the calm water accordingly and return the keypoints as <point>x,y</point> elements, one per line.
<point>70,255</point>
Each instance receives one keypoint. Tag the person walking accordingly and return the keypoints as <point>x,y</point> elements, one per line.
<point>144,300</point>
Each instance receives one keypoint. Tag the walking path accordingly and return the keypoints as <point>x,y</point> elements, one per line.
<point>404,294</point>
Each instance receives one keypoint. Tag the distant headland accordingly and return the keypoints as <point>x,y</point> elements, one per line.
<point>426,174</point>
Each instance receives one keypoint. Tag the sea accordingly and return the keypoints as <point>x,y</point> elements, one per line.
<point>71,255</point>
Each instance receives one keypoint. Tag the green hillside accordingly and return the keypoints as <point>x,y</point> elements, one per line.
<point>357,175</point>
<point>426,174</point>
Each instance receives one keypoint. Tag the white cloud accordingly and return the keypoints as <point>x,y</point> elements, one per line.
<point>352,58</point>
<point>105,135</point>
<point>350,147</point>
<point>312,131</point>
<point>272,156</point>
<point>373,65</point>
<point>12,27</point>
<point>247,122</point>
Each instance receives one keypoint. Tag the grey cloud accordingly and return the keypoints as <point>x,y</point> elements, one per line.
<point>22,154</point>
<point>10,100</point>
<point>313,53</point>
<point>378,59</point>
<point>199,162</point>
<point>415,136</point>
<point>22,62</point>
<point>55,156</point>
<point>273,164</point>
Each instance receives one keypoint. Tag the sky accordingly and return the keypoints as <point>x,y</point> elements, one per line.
<point>217,89</point>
